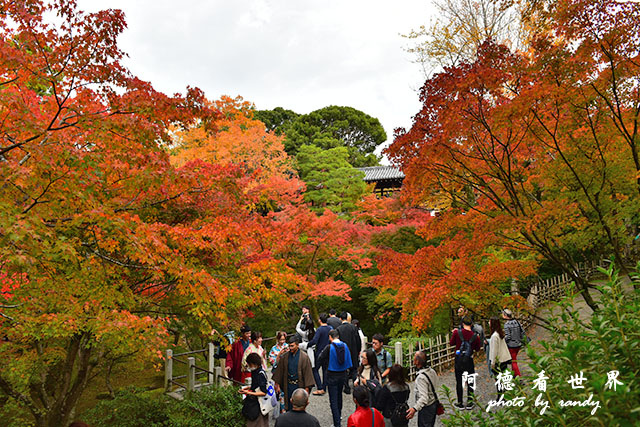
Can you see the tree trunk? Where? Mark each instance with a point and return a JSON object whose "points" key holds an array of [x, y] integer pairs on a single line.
{"points": [[583, 286], [107, 379], [75, 373]]}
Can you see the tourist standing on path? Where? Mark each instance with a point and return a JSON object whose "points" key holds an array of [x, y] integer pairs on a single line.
{"points": [[298, 417], [478, 329], [306, 330], [276, 350], [320, 341], [333, 321], [385, 361], [293, 370], [349, 336], [394, 395], [514, 337], [466, 342], [257, 389], [369, 374], [365, 415], [368, 369], [305, 327], [233, 365], [426, 403], [281, 344], [338, 359], [363, 339], [255, 347], [475, 327], [499, 356]]}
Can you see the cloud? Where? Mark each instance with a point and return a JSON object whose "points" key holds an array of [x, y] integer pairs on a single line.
{"points": [[258, 15], [300, 55]]}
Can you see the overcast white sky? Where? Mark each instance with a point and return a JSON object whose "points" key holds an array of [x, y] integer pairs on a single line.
{"points": [[296, 54]]}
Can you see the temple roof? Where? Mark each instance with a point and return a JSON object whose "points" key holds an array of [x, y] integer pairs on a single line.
{"points": [[381, 173]]}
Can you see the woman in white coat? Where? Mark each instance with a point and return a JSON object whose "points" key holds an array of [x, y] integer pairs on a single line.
{"points": [[363, 339], [499, 356], [306, 329]]}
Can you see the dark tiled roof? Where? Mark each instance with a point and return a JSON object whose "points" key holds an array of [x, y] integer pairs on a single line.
{"points": [[381, 173]]}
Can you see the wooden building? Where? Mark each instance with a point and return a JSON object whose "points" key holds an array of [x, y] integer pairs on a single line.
{"points": [[387, 179]]}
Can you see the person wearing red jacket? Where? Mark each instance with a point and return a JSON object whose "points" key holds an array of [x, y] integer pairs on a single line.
{"points": [[233, 365], [364, 416]]}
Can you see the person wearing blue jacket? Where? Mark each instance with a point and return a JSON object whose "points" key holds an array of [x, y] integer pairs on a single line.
{"points": [[337, 357], [320, 340]]}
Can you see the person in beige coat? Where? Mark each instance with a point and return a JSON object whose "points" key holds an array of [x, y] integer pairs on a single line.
{"points": [[293, 370], [499, 356]]}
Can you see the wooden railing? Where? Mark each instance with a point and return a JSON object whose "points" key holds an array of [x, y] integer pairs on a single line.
{"points": [[189, 381], [554, 288], [193, 370]]}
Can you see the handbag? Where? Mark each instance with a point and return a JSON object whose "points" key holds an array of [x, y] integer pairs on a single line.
{"points": [[525, 339], [374, 388], [250, 408], [269, 400], [439, 407]]}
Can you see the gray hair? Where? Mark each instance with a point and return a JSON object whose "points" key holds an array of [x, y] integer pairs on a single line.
{"points": [[300, 398], [422, 358]]}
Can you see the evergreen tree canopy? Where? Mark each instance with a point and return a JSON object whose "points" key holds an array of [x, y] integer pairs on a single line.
{"points": [[327, 128], [332, 183]]}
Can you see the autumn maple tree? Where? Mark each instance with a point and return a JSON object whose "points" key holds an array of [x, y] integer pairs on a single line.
{"points": [[81, 257], [307, 241], [104, 237], [535, 150]]}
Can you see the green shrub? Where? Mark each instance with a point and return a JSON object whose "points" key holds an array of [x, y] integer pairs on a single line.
{"points": [[211, 406], [133, 407], [609, 341]]}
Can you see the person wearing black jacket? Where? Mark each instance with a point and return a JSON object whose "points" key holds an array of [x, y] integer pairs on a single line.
{"points": [[298, 417], [394, 393], [320, 341], [257, 389], [349, 335], [333, 320]]}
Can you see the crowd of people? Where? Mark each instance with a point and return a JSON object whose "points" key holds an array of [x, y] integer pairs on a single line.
{"points": [[332, 356]]}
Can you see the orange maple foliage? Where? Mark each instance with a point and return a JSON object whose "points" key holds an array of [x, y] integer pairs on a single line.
{"points": [[537, 153], [288, 239], [108, 238], [241, 140], [320, 247]]}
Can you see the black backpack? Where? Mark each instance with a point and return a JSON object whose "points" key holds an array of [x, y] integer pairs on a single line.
{"points": [[399, 415], [374, 387], [463, 355]]}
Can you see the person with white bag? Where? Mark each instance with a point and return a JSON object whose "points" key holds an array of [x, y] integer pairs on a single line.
{"points": [[499, 355], [253, 405]]}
